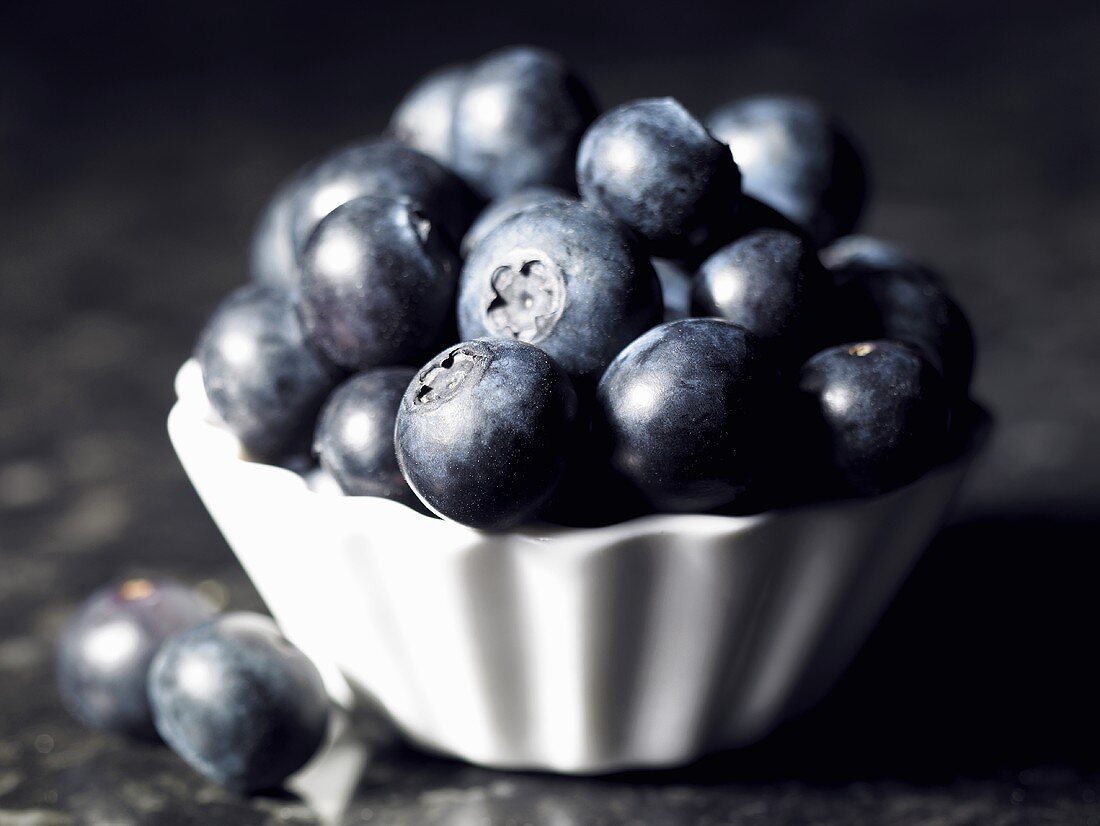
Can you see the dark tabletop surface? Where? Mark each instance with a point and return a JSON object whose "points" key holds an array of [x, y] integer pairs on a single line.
{"points": [[136, 147]]}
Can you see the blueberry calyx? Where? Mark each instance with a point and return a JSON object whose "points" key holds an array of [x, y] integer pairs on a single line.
{"points": [[442, 380], [134, 589], [526, 298], [864, 348]]}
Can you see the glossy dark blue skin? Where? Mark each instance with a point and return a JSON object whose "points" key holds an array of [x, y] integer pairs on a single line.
{"points": [[105, 650], [518, 122], [424, 118], [382, 168], [272, 258], [881, 292], [484, 432], [793, 157], [354, 440], [263, 378], [238, 702], [500, 210], [378, 285], [656, 168], [766, 282], [685, 408], [875, 415], [602, 287]]}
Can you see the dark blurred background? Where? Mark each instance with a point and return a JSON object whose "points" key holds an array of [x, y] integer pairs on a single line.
{"points": [[138, 142]]}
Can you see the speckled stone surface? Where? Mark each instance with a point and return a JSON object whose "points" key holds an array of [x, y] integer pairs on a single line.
{"points": [[126, 199]]}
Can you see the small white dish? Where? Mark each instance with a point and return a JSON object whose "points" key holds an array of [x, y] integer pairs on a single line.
{"points": [[643, 644]]}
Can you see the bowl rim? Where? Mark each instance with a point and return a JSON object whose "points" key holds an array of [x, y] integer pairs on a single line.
{"points": [[191, 402]]}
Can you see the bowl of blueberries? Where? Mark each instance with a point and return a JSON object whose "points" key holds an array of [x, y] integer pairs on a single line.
{"points": [[577, 439]]}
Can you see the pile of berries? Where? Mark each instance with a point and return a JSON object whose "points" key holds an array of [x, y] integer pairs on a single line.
{"points": [[150, 658], [514, 308]]}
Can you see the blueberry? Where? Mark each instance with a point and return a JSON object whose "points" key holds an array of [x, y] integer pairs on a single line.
{"points": [[765, 282], [503, 208], [261, 375], [876, 413], [686, 407], [272, 258], [563, 276], [238, 702], [656, 168], [105, 650], [424, 118], [675, 288], [354, 438], [518, 121], [883, 293], [378, 284], [794, 157], [385, 169], [484, 430]]}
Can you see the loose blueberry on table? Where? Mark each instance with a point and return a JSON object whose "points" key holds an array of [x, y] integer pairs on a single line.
{"points": [[238, 702], [106, 648]]}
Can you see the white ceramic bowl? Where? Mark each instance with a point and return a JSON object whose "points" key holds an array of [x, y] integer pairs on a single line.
{"points": [[643, 644]]}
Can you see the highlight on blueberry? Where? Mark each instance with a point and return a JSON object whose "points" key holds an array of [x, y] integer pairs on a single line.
{"points": [[424, 119], [106, 648], [676, 286], [566, 277], [484, 431]]}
